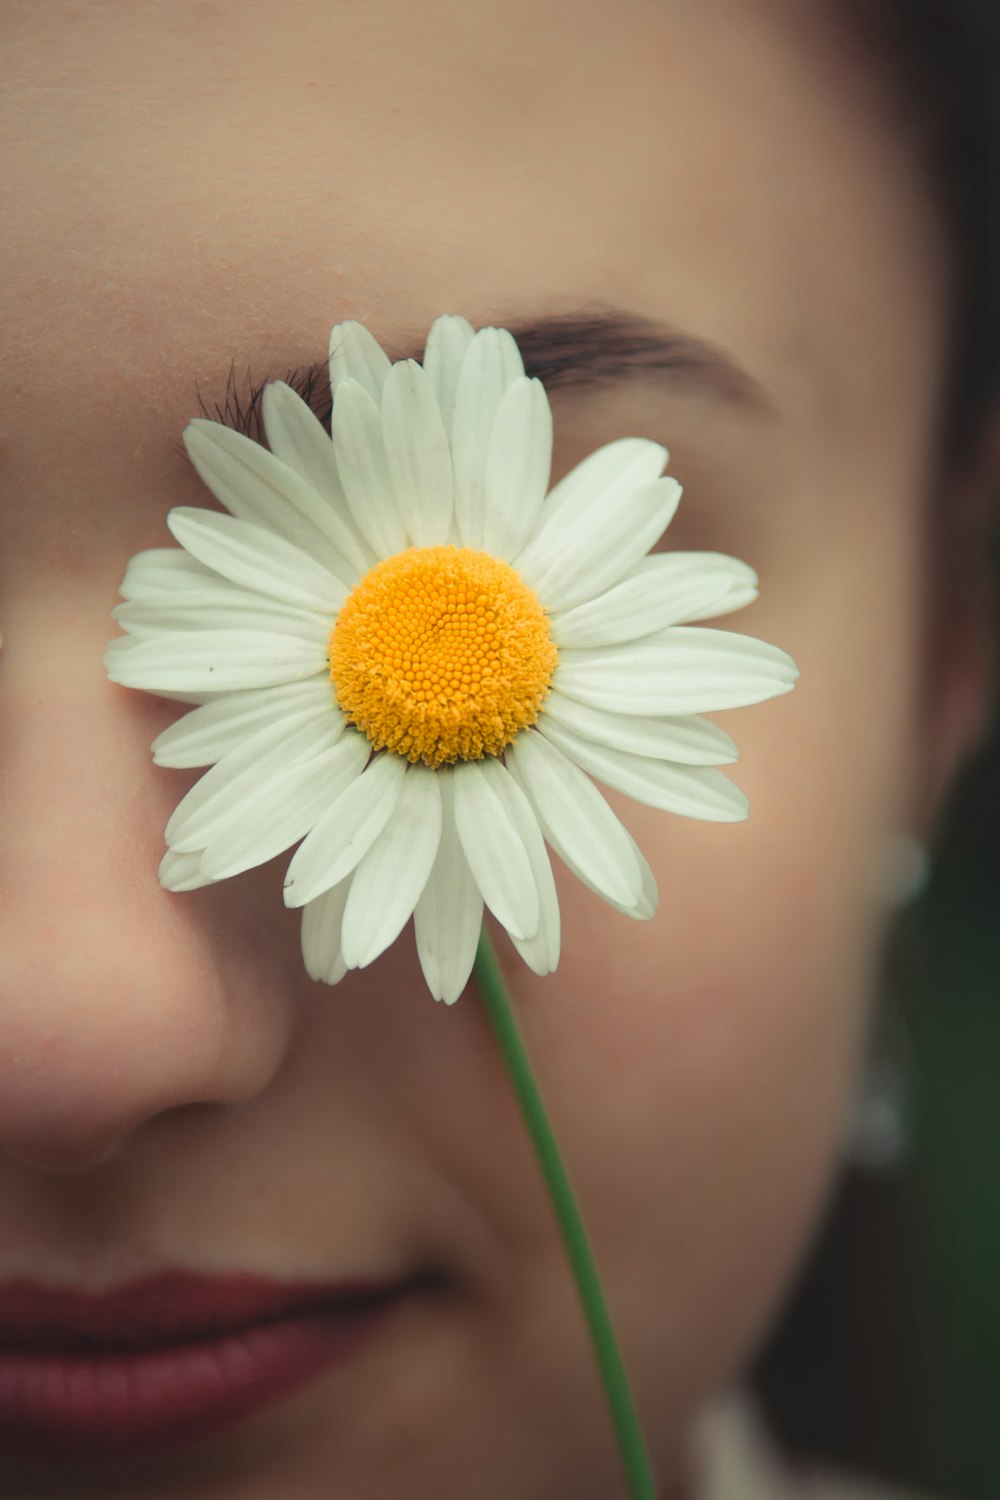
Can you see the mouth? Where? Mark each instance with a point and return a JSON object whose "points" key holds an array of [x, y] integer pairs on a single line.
{"points": [[156, 1364]]}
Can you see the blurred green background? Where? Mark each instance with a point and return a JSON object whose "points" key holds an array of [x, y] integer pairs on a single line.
{"points": [[950, 996]]}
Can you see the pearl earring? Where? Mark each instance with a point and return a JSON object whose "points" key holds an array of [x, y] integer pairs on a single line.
{"points": [[877, 1130], [904, 870]]}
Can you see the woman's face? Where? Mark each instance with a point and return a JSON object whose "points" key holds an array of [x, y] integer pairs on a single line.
{"points": [[199, 182]]}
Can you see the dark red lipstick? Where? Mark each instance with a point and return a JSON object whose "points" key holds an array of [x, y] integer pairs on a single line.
{"points": [[154, 1364]]}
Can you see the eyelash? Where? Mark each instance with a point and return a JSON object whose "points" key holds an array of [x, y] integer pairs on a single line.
{"points": [[311, 382], [244, 414]]}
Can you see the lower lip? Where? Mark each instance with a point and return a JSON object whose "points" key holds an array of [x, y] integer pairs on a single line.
{"points": [[112, 1404]]}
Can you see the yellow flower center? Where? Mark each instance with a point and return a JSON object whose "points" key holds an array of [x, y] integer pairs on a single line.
{"points": [[441, 654]]}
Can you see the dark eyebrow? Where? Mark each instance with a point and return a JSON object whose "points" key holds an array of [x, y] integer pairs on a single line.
{"points": [[574, 350], [566, 351]]}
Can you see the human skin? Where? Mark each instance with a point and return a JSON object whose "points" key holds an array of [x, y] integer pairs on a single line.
{"points": [[201, 182]]}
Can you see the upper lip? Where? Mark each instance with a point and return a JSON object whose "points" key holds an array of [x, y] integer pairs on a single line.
{"points": [[171, 1307]]}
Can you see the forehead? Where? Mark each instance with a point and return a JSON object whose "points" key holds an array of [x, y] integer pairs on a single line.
{"points": [[211, 181]]}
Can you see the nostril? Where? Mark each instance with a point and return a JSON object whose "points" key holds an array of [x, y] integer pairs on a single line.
{"points": [[72, 1095], [135, 1004], [74, 1140], [64, 1156]]}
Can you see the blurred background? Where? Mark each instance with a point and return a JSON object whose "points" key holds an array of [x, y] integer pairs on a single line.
{"points": [[888, 1357]]}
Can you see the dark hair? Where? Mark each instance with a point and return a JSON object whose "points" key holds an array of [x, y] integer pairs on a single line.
{"points": [[941, 60]]}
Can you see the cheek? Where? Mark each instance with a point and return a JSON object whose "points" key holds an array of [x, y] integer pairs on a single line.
{"points": [[697, 1068], [713, 1046], [699, 1065]]}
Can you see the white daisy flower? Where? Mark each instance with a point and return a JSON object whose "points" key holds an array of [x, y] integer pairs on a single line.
{"points": [[411, 655]]}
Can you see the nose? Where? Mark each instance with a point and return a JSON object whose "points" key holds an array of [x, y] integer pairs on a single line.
{"points": [[119, 1001]]}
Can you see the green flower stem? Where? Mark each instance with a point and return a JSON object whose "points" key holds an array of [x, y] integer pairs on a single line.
{"points": [[602, 1335]]}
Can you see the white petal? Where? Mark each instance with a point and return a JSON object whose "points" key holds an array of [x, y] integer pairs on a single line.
{"points": [[661, 591], [447, 342], [176, 696], [649, 896], [364, 473], [282, 810], [493, 847], [417, 454], [576, 820], [256, 487], [178, 584], [682, 670], [518, 463], [321, 929], [346, 831], [738, 597], [685, 738], [207, 734], [646, 904], [684, 572], [256, 559], [236, 777], [212, 661], [582, 556], [692, 791], [216, 609], [602, 480], [182, 872], [356, 355], [492, 363], [390, 878], [299, 439], [448, 918], [540, 952], [161, 570], [137, 631]]}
